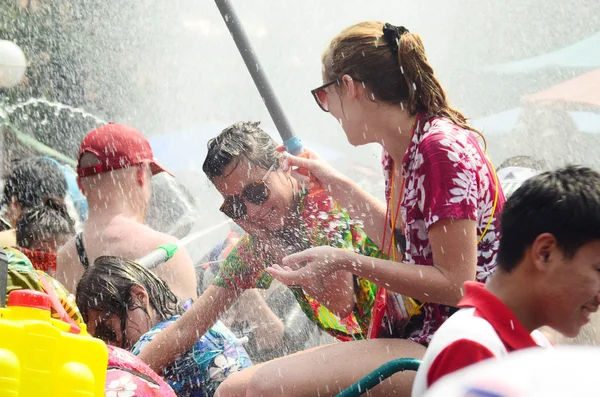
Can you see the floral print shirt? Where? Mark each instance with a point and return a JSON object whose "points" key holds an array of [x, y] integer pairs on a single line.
{"points": [[447, 175], [199, 371], [324, 222]]}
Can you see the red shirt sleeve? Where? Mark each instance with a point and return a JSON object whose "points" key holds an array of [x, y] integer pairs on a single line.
{"points": [[455, 356]]}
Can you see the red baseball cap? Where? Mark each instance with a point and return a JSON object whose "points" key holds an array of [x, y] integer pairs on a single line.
{"points": [[117, 146]]}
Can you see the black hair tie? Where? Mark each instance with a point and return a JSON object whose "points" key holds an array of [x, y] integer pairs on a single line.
{"points": [[392, 34]]}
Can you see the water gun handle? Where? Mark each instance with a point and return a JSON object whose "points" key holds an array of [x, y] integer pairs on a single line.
{"points": [[294, 146], [159, 255]]}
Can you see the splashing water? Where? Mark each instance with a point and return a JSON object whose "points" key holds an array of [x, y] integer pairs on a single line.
{"points": [[6, 111]]}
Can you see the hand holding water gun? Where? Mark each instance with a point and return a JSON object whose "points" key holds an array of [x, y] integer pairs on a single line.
{"points": [[312, 171]]}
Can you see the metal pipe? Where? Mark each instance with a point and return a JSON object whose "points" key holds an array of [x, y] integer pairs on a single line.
{"points": [[165, 252], [293, 143]]}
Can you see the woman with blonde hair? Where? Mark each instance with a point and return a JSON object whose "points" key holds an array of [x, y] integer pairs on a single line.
{"points": [[439, 228]]}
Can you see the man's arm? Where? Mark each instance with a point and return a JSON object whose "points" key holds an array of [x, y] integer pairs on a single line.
{"points": [[180, 336]]}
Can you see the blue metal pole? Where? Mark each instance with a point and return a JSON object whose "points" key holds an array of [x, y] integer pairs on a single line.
{"points": [[293, 143]]}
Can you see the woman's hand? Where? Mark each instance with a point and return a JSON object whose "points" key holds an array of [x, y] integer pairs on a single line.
{"points": [[305, 266], [319, 171]]}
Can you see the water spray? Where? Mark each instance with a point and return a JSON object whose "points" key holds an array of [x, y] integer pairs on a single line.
{"points": [[165, 252], [292, 143]]}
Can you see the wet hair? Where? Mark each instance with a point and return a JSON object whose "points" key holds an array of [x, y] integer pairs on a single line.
{"points": [[525, 162], [106, 287], [395, 76], [565, 203], [245, 139], [32, 180], [44, 222]]}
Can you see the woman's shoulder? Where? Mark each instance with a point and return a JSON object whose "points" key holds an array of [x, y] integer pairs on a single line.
{"points": [[439, 128], [441, 133]]}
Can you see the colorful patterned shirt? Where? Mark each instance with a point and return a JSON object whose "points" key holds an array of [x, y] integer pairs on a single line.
{"points": [[199, 371], [447, 175], [323, 222], [22, 275]]}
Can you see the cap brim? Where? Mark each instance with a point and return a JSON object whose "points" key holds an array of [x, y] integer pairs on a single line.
{"points": [[157, 168]]}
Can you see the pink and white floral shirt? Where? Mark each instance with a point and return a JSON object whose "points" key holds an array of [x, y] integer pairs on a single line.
{"points": [[447, 176]]}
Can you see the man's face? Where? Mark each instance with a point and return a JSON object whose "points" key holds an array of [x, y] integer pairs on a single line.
{"points": [[273, 212], [572, 289]]}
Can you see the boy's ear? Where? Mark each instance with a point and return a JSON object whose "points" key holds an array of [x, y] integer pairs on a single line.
{"points": [[544, 251]]}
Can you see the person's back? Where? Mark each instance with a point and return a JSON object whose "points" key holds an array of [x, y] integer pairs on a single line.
{"points": [[115, 169], [548, 275]]}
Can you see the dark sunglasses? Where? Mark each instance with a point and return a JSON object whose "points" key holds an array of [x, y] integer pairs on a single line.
{"points": [[257, 193], [320, 93]]}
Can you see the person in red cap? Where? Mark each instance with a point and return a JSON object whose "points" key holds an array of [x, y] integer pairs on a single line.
{"points": [[115, 168]]}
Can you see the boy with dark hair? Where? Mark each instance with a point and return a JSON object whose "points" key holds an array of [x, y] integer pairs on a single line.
{"points": [[548, 275]]}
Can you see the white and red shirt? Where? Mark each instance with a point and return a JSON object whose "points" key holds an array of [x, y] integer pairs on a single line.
{"points": [[484, 328], [447, 175]]}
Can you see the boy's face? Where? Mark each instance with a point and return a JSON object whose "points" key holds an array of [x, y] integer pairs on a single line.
{"points": [[572, 288]]}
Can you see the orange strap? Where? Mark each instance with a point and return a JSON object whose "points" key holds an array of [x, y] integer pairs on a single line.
{"points": [[64, 316]]}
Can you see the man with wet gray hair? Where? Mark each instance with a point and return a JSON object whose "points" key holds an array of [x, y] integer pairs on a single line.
{"points": [[115, 169]]}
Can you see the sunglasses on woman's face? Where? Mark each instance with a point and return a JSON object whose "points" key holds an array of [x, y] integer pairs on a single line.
{"points": [[320, 93], [257, 193]]}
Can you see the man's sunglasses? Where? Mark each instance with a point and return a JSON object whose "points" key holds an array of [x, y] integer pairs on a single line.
{"points": [[320, 93], [257, 193]]}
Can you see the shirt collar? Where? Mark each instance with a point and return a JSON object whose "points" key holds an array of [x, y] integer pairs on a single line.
{"points": [[488, 306]]}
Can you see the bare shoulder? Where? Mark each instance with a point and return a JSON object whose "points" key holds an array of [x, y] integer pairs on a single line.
{"points": [[68, 267]]}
